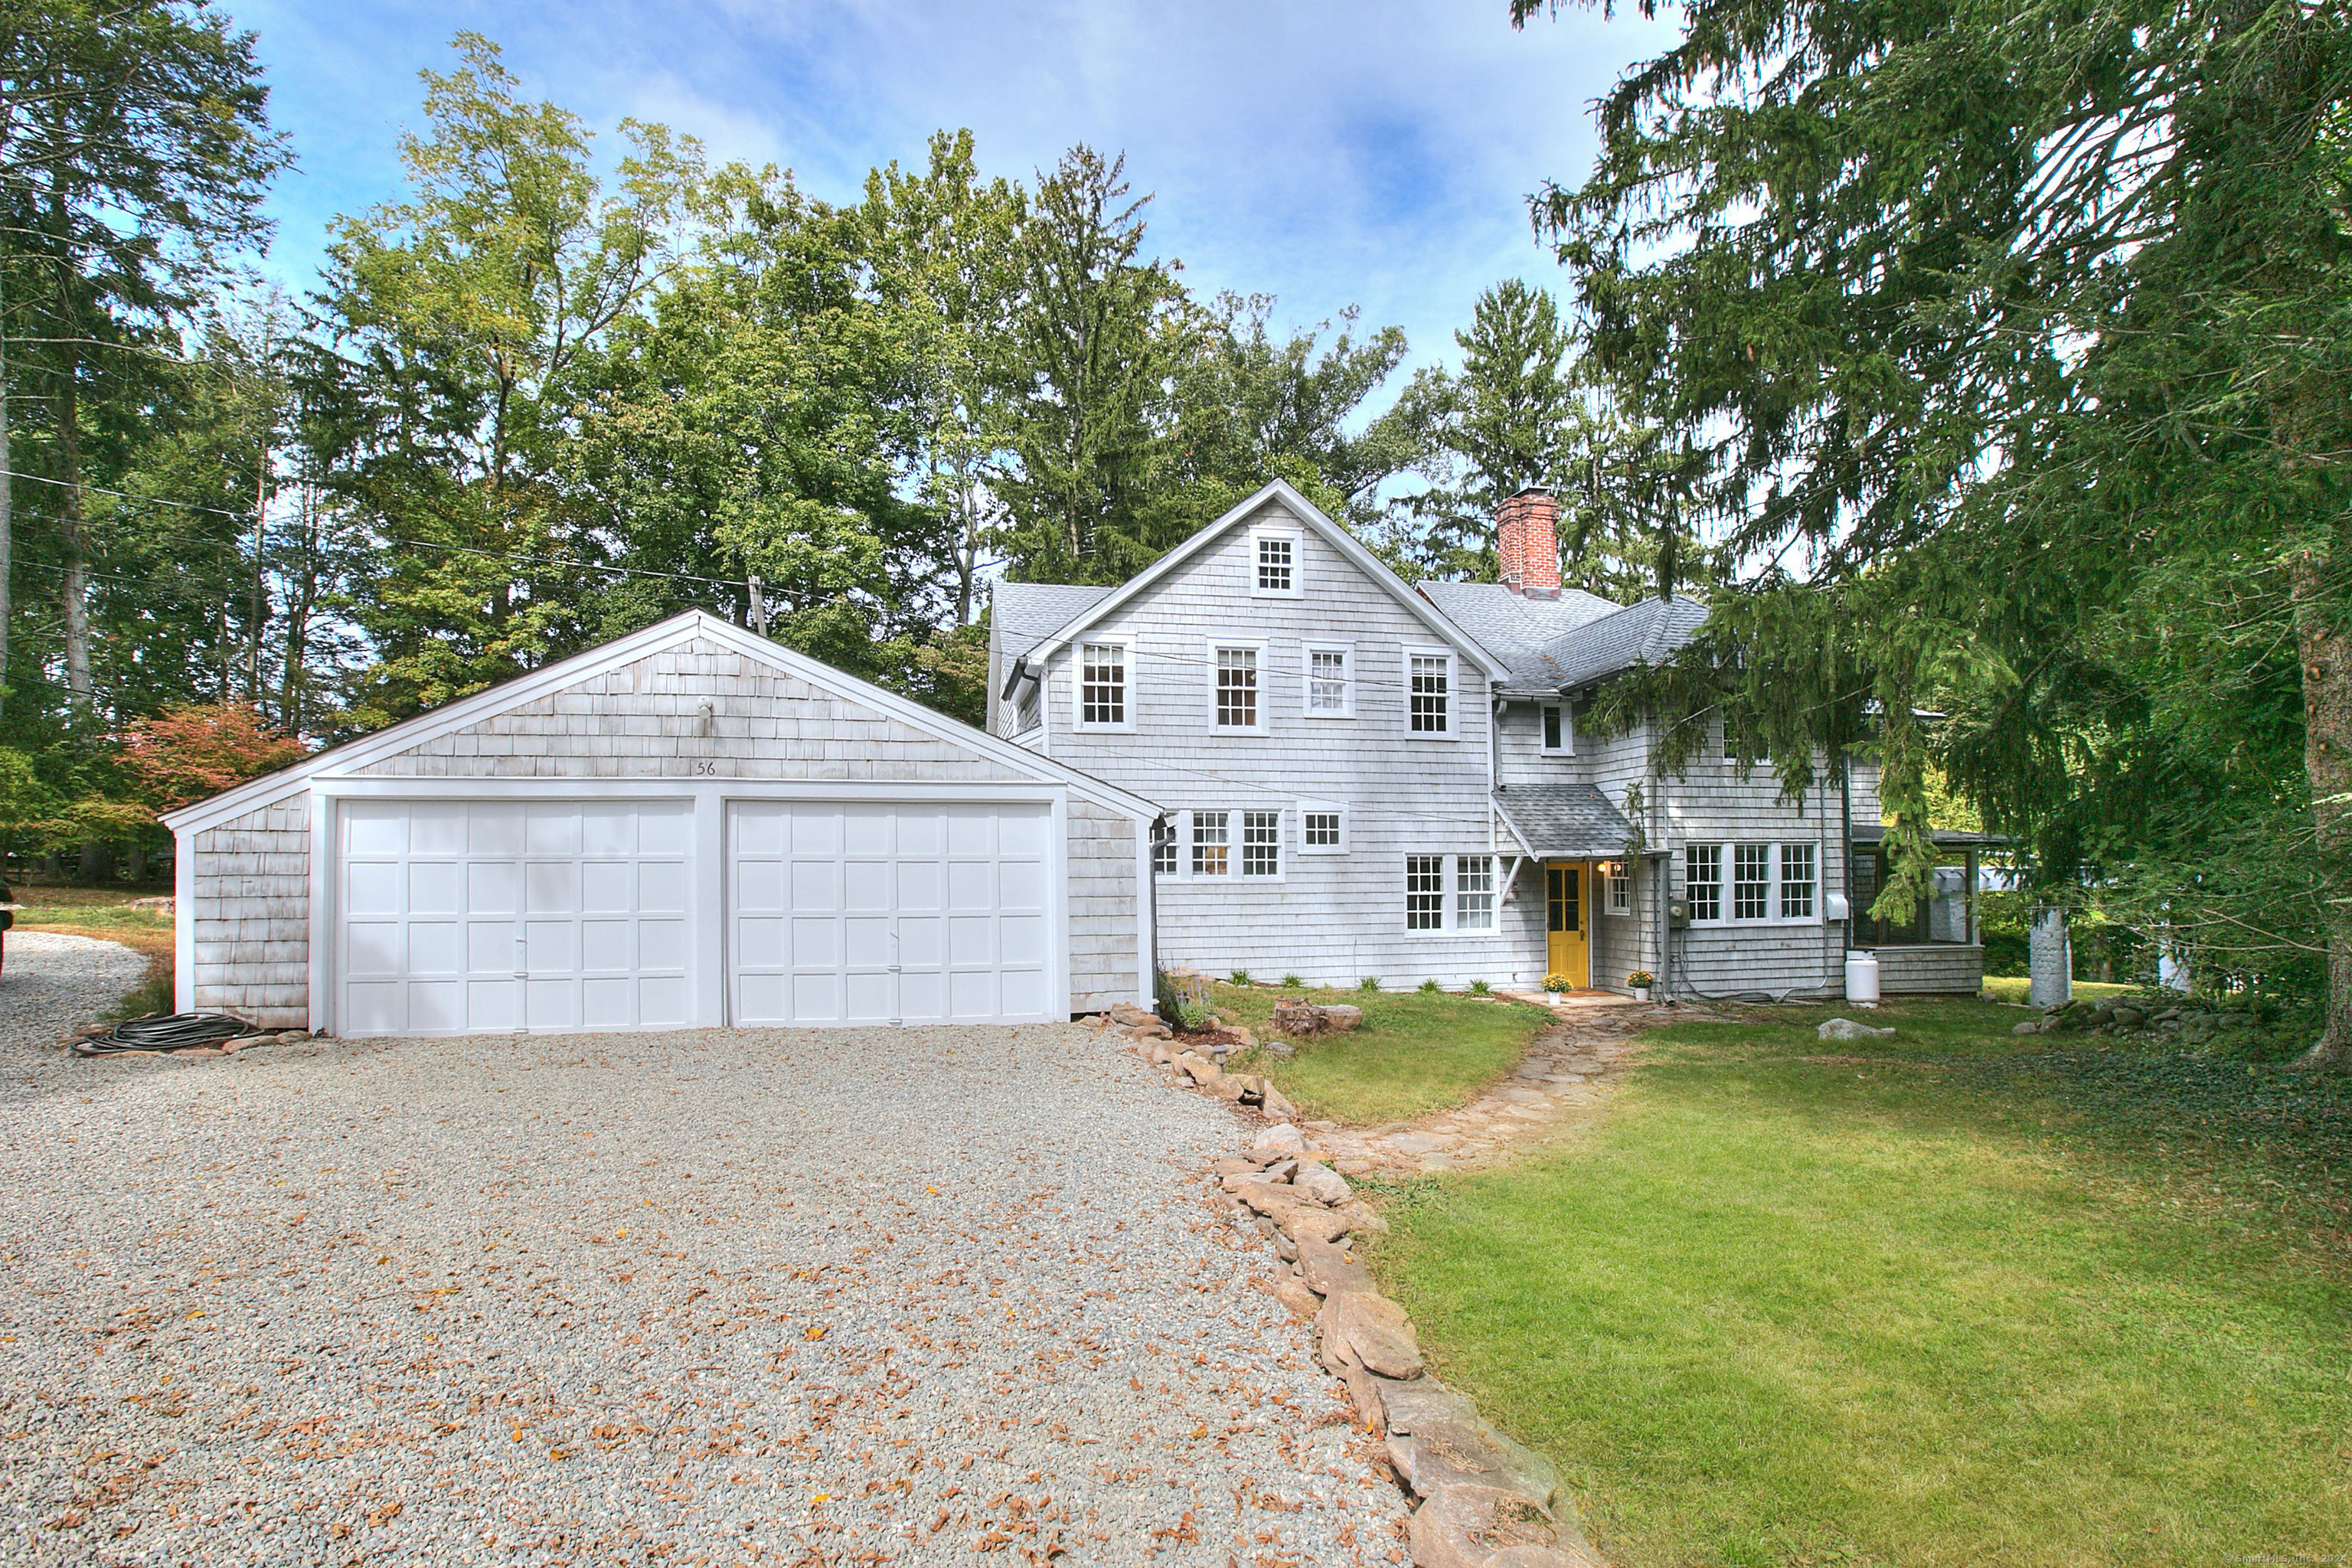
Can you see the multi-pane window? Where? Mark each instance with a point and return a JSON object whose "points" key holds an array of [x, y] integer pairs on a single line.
{"points": [[1209, 844], [1621, 887], [1751, 881], [1474, 892], [1798, 879], [1327, 681], [1237, 687], [1274, 563], [1163, 849], [1102, 683], [1424, 892], [1320, 829], [1432, 682], [1261, 844], [1556, 737], [1703, 880]]}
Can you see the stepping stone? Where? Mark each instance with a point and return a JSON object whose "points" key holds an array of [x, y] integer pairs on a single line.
{"points": [[1422, 1142]]}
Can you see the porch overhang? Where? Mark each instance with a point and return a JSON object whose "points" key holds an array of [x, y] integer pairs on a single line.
{"points": [[1564, 821]]}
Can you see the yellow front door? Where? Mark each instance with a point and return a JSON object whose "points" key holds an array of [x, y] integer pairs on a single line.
{"points": [[1568, 952]]}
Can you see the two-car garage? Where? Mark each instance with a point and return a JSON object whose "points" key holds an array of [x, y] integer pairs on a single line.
{"points": [[688, 827]]}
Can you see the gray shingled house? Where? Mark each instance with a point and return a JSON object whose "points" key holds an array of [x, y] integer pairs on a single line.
{"points": [[1366, 777]]}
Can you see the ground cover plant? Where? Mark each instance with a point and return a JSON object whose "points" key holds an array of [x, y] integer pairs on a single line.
{"points": [[1954, 1297], [1417, 1051]]}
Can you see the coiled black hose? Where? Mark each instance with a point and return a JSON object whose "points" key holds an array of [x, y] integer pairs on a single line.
{"points": [[163, 1032]]}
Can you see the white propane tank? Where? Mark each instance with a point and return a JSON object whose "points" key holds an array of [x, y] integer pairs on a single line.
{"points": [[1862, 977]]}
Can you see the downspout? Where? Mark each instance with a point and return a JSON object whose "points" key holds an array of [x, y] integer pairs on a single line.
{"points": [[1045, 707]]}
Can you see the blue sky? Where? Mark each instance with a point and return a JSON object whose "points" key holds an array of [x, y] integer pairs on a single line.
{"points": [[1377, 153]]}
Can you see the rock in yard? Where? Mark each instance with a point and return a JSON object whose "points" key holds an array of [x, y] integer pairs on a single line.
{"points": [[1363, 1391], [1276, 1108], [1278, 1142], [1470, 1526], [1154, 1030], [1281, 1048], [1408, 1406], [1300, 1220], [1324, 1185], [1293, 1292], [1371, 1330], [1308, 1019], [1329, 1271], [1199, 1068], [2031, 1026], [1847, 1029], [1441, 1453]]}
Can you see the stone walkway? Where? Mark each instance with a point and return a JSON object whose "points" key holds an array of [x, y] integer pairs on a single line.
{"points": [[1571, 1071]]}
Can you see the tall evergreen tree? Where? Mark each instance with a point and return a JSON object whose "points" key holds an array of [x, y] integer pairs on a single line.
{"points": [[1098, 335], [2002, 327]]}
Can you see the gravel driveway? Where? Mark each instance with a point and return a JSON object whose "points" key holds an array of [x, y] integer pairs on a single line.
{"points": [[51, 982], [920, 1296]]}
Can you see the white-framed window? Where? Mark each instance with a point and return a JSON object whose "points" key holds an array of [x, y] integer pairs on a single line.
{"points": [[1104, 697], [1767, 882], [1558, 729], [1703, 880], [1211, 844], [1751, 881], [1474, 892], [1330, 680], [1800, 875], [1163, 849], [1731, 750], [1429, 693], [1424, 892], [1261, 844], [1274, 562], [1619, 880], [1234, 672], [1322, 828]]}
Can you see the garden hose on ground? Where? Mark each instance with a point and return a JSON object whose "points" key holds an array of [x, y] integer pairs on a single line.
{"points": [[163, 1032]]}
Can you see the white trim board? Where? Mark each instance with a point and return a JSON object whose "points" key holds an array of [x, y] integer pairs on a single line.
{"points": [[353, 755]]}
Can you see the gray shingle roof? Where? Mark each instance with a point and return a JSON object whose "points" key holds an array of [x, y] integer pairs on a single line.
{"points": [[1647, 633], [1572, 821], [1026, 614], [1513, 628]]}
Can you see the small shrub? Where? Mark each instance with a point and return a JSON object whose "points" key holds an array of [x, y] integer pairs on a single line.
{"points": [[1292, 981], [1429, 988], [1480, 988], [1368, 983], [1239, 977]]}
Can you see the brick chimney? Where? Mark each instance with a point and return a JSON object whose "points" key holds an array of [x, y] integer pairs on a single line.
{"points": [[1526, 536]]}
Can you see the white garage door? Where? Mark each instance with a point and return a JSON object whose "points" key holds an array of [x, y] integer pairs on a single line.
{"points": [[459, 917], [885, 914]]}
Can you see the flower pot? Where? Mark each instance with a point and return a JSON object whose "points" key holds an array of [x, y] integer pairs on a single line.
{"points": [[1640, 993]]}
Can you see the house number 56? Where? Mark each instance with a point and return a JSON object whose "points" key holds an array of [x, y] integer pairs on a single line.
{"points": [[702, 767]]}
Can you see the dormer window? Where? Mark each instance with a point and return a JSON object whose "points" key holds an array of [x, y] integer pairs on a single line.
{"points": [[1274, 564]]}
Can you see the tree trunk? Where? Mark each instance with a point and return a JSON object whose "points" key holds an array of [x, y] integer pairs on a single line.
{"points": [[7, 492], [72, 600], [2327, 655]]}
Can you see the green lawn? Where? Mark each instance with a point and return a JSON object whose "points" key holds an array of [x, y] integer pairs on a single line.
{"points": [[1416, 1052], [2013, 988], [1952, 1298]]}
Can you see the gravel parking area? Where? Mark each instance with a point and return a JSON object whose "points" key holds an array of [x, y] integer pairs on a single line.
{"points": [[51, 982], [909, 1295]]}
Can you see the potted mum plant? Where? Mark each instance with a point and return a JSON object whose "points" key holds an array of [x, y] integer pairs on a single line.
{"points": [[1641, 982]]}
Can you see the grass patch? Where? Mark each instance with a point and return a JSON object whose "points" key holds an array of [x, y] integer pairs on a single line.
{"points": [[2015, 988], [1416, 1052], [101, 912], [1948, 1297]]}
